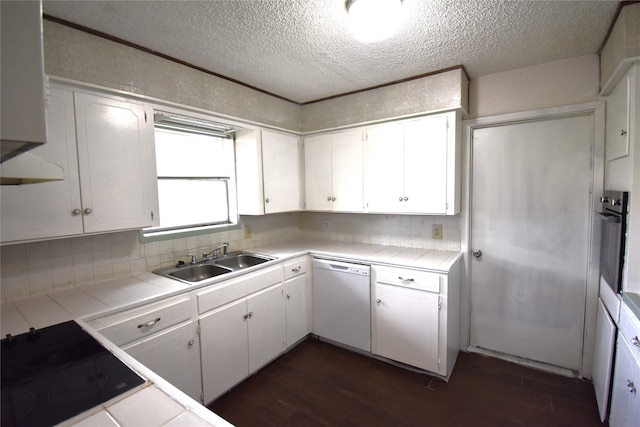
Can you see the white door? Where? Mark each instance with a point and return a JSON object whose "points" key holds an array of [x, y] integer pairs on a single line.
{"points": [[47, 209], [266, 326], [406, 326], [425, 165], [281, 176], [297, 310], [224, 348], [113, 154], [624, 399], [384, 168], [173, 354], [603, 358], [530, 218], [347, 171], [317, 173]]}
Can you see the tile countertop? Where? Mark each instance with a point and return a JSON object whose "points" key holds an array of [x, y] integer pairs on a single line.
{"points": [[158, 402]]}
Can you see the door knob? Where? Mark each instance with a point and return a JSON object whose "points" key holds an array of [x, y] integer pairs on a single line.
{"points": [[477, 253]]}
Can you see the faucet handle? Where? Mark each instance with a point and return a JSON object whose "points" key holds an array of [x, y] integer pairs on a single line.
{"points": [[193, 259]]}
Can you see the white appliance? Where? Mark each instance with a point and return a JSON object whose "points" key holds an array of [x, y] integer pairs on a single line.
{"points": [[342, 303]]}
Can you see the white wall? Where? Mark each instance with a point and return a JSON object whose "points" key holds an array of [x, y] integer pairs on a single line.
{"points": [[572, 81]]}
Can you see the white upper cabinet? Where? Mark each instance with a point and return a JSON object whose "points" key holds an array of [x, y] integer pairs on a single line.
{"points": [[268, 172], [334, 172], [413, 166], [117, 163], [105, 146], [618, 119]]}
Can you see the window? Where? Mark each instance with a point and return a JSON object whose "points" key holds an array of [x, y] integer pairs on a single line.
{"points": [[196, 177]]}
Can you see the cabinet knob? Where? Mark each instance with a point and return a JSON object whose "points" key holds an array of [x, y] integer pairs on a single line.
{"points": [[76, 212], [405, 198], [267, 200], [250, 314], [297, 269], [191, 342], [632, 387], [378, 300], [400, 198], [328, 198], [87, 211], [333, 199], [635, 341], [623, 132], [245, 317], [288, 296]]}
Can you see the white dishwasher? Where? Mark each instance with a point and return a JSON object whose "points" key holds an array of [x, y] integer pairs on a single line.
{"points": [[342, 303]]}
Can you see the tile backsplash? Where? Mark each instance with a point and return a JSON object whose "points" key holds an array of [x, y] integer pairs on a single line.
{"points": [[35, 268]]}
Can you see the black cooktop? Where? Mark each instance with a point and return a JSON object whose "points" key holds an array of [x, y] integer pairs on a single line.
{"points": [[55, 373]]}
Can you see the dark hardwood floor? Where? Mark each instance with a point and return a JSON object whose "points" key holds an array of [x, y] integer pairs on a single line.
{"points": [[318, 384]]}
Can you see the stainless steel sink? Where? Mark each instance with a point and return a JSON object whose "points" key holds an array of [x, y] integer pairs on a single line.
{"points": [[198, 273], [242, 260]]}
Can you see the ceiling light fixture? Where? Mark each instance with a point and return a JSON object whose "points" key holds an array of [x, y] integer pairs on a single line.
{"points": [[374, 20]]}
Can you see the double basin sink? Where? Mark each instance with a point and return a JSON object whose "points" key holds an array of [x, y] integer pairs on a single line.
{"points": [[196, 273]]}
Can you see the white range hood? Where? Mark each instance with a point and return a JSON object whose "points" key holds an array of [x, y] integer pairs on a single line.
{"points": [[28, 168]]}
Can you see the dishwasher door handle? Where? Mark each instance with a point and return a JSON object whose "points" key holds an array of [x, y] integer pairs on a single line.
{"points": [[339, 267]]}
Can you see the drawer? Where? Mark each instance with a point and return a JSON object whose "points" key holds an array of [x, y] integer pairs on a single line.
{"points": [[630, 328], [296, 267], [138, 323], [414, 279], [234, 289]]}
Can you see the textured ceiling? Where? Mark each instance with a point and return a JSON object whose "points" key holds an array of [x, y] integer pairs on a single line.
{"points": [[301, 50]]}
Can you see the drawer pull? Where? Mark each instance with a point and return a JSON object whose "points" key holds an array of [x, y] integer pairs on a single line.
{"points": [[635, 341], [402, 279], [296, 270], [149, 323]]}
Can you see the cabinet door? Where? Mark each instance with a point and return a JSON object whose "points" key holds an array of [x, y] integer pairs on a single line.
{"points": [[173, 354], [618, 117], [297, 308], [405, 326], [347, 171], [266, 326], [224, 348], [117, 163], [425, 165], [624, 400], [46, 209], [281, 172], [384, 168], [317, 173]]}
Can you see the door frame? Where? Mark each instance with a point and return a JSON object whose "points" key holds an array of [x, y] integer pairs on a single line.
{"points": [[597, 184]]}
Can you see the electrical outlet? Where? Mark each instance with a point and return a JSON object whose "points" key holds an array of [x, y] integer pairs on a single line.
{"points": [[247, 231], [436, 231], [325, 224]]}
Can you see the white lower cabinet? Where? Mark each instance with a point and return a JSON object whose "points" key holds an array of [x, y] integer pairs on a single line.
{"points": [[415, 317], [239, 338], [174, 354], [406, 326], [297, 300], [625, 401]]}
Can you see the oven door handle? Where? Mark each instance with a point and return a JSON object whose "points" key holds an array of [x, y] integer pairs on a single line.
{"points": [[610, 217]]}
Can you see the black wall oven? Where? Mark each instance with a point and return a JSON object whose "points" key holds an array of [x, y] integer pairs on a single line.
{"points": [[614, 230]]}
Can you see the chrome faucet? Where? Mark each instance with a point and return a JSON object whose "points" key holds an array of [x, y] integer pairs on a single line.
{"points": [[214, 253], [209, 256]]}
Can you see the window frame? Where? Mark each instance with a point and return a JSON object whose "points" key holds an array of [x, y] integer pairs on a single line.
{"points": [[151, 234]]}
